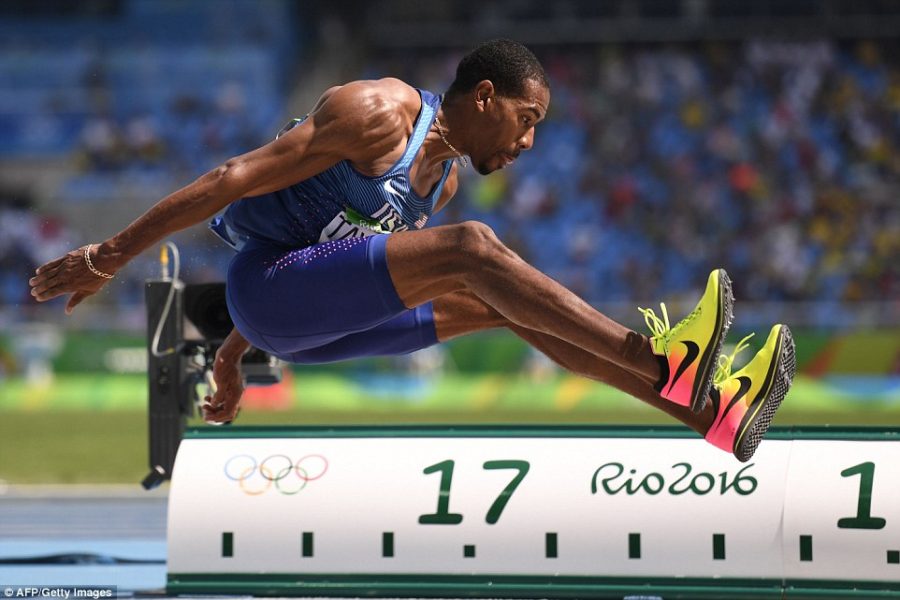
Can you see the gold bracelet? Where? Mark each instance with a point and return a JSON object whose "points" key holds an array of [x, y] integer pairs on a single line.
{"points": [[90, 265]]}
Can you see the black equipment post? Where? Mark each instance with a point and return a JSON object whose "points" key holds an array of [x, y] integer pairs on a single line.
{"points": [[170, 385]]}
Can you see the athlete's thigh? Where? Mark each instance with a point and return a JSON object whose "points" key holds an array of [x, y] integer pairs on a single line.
{"points": [[288, 300], [430, 263]]}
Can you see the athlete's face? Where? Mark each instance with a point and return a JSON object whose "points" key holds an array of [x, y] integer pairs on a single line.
{"points": [[507, 125]]}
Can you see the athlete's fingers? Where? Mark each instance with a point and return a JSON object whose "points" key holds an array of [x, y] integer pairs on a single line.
{"points": [[212, 406], [48, 292], [44, 280], [51, 272], [50, 265], [52, 288], [209, 412], [216, 415], [44, 276], [39, 289], [219, 408], [228, 416], [226, 412], [38, 280]]}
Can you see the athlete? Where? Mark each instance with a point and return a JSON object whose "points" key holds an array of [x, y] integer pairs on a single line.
{"points": [[333, 260]]}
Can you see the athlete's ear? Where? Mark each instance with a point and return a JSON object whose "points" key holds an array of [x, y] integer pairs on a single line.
{"points": [[484, 94]]}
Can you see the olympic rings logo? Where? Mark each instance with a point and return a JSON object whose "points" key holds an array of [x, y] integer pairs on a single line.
{"points": [[276, 470]]}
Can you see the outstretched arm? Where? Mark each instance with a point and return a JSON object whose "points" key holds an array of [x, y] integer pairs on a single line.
{"points": [[358, 121]]}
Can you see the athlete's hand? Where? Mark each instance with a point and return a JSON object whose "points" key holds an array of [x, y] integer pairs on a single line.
{"points": [[224, 404], [68, 274]]}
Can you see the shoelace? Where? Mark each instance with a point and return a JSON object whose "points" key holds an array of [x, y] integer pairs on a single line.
{"points": [[723, 369], [660, 328]]}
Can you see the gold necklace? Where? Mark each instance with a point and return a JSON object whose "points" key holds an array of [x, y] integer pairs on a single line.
{"points": [[462, 159]]}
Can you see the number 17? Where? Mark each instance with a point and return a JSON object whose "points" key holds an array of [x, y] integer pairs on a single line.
{"points": [[443, 516]]}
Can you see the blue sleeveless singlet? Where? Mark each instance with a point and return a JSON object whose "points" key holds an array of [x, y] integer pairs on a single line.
{"points": [[338, 203]]}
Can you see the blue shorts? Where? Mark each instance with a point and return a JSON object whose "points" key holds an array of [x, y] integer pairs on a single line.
{"points": [[324, 303]]}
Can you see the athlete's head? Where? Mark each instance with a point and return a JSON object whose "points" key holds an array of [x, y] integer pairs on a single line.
{"points": [[504, 92]]}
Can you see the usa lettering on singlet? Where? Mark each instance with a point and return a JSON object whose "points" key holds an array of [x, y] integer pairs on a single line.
{"points": [[338, 203]]}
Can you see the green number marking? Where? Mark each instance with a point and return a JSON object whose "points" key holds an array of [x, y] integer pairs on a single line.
{"points": [[227, 544], [306, 549], [443, 516], [718, 546], [634, 545], [806, 548], [863, 518], [387, 544], [551, 545], [496, 509]]}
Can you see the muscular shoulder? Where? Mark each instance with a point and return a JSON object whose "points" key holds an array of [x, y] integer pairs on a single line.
{"points": [[381, 112], [387, 98]]}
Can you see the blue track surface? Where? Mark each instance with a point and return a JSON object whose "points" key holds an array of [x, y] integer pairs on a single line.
{"points": [[94, 526]]}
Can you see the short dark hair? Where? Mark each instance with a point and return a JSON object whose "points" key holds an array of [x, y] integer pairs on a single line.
{"points": [[507, 64]]}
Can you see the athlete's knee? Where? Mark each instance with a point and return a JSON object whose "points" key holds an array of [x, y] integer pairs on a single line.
{"points": [[477, 242]]}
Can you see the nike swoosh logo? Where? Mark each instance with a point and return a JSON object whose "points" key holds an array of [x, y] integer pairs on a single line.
{"points": [[693, 351], [389, 188], [742, 391]]}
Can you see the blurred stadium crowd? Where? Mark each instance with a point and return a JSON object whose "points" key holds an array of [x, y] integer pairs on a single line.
{"points": [[776, 160]]}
